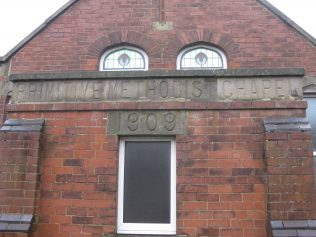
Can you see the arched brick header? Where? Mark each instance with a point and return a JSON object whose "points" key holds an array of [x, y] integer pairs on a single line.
{"points": [[119, 37], [188, 38]]}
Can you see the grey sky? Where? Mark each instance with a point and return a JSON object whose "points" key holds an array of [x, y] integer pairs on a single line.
{"points": [[20, 17]]}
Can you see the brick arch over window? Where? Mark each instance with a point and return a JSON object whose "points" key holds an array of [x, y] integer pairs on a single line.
{"points": [[189, 38], [132, 38]]}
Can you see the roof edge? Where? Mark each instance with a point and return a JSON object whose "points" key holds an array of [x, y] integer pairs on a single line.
{"points": [[37, 31], [288, 21]]}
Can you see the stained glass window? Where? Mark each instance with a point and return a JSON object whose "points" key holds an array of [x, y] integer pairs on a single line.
{"points": [[124, 58], [202, 57]]}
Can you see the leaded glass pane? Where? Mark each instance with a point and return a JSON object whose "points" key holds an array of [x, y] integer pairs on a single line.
{"points": [[201, 58], [124, 59]]}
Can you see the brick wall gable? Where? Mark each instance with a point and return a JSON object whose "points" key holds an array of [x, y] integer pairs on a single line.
{"points": [[260, 38]]}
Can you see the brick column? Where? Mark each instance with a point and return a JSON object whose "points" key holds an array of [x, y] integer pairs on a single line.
{"points": [[19, 174], [290, 173]]}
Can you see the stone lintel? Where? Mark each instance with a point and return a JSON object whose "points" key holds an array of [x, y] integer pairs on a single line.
{"points": [[286, 124], [224, 73], [22, 125]]}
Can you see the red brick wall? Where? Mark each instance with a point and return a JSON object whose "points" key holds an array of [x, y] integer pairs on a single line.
{"points": [[221, 182], [290, 170], [251, 36], [19, 168]]}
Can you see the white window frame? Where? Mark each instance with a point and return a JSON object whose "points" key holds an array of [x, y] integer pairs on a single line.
{"points": [[217, 50], [147, 228], [306, 97], [108, 52]]}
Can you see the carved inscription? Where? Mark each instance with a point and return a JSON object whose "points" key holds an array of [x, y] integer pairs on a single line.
{"points": [[114, 90], [259, 88], [147, 122], [197, 89]]}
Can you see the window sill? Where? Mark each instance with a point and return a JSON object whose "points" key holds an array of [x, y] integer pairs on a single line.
{"points": [[141, 235]]}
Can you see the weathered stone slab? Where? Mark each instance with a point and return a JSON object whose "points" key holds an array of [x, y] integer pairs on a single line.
{"points": [[147, 123], [158, 90], [114, 90], [259, 88]]}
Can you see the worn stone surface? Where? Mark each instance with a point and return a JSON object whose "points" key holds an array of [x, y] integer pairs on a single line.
{"points": [[4, 68], [227, 73], [161, 26], [115, 90], [147, 122], [5, 87], [199, 89], [259, 88]]}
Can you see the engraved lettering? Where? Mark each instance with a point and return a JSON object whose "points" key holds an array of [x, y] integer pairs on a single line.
{"points": [[97, 90], [33, 91], [156, 90], [70, 91], [22, 94], [147, 122], [227, 89], [151, 121], [52, 91], [170, 121], [112, 90], [133, 121], [197, 85], [254, 90], [177, 89], [266, 88], [279, 88], [88, 93], [82, 87], [241, 88], [164, 89], [125, 90], [151, 87]]}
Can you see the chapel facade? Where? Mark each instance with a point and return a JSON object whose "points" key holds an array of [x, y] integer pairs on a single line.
{"points": [[159, 118]]}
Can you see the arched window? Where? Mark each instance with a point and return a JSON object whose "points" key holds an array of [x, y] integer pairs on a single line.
{"points": [[124, 59], [201, 57]]}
